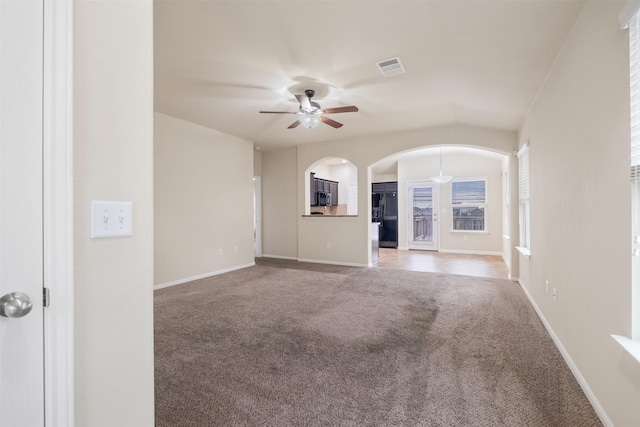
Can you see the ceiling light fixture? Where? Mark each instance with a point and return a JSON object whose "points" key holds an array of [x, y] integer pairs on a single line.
{"points": [[441, 179], [310, 120]]}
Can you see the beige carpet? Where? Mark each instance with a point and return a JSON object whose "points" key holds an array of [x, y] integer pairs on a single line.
{"points": [[296, 344]]}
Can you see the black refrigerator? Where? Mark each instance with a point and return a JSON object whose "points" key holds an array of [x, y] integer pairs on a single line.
{"points": [[384, 209]]}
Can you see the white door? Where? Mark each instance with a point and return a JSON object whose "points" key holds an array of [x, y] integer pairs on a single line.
{"points": [[422, 205], [21, 213]]}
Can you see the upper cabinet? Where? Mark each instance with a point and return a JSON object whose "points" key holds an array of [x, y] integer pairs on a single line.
{"points": [[333, 191], [322, 192]]}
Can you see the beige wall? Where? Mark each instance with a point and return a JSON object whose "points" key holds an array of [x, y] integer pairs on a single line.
{"points": [[578, 131], [203, 198], [257, 163], [113, 277], [279, 203], [460, 166]]}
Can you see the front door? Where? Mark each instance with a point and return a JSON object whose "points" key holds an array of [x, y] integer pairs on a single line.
{"points": [[21, 213], [422, 204]]}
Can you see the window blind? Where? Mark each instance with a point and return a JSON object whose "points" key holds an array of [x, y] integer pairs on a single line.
{"points": [[468, 192], [634, 92], [523, 166]]}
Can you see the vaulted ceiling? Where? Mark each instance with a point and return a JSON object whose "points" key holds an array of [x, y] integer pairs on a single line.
{"points": [[480, 62]]}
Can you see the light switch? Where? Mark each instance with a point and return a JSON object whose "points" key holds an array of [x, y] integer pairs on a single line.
{"points": [[111, 219]]}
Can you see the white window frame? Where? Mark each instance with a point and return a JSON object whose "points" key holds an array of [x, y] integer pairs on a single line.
{"points": [[471, 205], [630, 18], [524, 217], [506, 197]]}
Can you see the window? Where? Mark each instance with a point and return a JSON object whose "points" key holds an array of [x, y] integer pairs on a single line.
{"points": [[634, 36], [523, 196], [468, 200], [634, 91], [630, 17]]}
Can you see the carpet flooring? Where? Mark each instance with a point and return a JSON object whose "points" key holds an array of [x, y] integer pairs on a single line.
{"points": [[295, 344]]}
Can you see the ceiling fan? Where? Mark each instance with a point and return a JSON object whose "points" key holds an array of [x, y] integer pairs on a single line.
{"points": [[311, 114]]}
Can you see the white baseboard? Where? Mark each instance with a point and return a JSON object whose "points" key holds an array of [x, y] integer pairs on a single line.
{"points": [[292, 258], [606, 421], [514, 279], [464, 252], [403, 248], [202, 276], [346, 264]]}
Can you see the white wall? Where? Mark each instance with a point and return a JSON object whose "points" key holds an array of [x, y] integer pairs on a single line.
{"points": [[257, 163], [279, 203], [345, 174], [384, 177], [113, 160], [578, 131], [203, 198], [461, 166]]}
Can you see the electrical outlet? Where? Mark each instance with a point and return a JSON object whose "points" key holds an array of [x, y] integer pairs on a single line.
{"points": [[220, 251], [546, 286], [555, 295], [235, 248], [328, 245]]}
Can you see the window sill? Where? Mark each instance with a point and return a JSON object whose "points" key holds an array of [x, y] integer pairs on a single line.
{"points": [[631, 346], [524, 251], [468, 232]]}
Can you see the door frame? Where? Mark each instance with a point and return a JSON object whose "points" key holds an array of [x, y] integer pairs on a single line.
{"points": [[435, 209], [257, 215], [58, 211]]}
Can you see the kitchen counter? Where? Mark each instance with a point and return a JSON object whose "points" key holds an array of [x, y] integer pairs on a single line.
{"points": [[329, 216]]}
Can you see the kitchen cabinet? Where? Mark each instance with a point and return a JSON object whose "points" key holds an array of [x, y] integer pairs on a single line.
{"points": [[333, 190], [319, 185], [313, 189]]}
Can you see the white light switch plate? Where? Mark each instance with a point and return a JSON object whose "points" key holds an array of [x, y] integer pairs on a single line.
{"points": [[111, 219]]}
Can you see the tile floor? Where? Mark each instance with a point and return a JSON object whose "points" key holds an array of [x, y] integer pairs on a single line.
{"points": [[492, 266]]}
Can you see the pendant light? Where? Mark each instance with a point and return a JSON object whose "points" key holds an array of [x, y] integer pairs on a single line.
{"points": [[441, 179]]}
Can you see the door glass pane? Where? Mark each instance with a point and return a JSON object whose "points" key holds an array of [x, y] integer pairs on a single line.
{"points": [[423, 214]]}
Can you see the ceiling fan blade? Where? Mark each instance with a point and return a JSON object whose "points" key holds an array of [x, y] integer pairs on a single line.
{"points": [[349, 109], [277, 112], [304, 101], [330, 122], [294, 124]]}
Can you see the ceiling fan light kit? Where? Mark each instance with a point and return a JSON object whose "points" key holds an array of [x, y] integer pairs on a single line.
{"points": [[311, 114], [310, 120]]}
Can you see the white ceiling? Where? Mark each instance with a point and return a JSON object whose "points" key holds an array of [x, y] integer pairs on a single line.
{"points": [[217, 63]]}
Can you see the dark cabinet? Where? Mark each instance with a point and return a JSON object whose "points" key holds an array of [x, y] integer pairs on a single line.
{"points": [[333, 190], [384, 209], [320, 188], [313, 190]]}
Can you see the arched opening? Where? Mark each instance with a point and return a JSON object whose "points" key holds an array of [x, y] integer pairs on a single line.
{"points": [[470, 214], [331, 188]]}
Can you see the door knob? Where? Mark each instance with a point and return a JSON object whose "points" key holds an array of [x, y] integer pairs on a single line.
{"points": [[15, 304]]}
